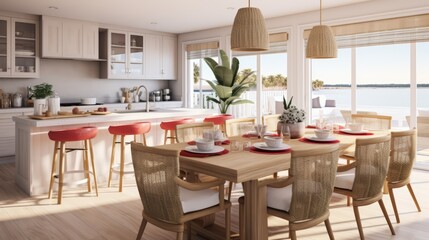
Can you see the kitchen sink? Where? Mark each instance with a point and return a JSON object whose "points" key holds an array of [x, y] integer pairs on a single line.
{"points": [[134, 111]]}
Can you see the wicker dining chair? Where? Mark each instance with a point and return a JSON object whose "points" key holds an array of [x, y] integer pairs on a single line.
{"points": [[402, 157], [190, 131], [271, 121], [303, 197], [168, 201], [373, 122], [235, 127], [370, 122], [363, 179]]}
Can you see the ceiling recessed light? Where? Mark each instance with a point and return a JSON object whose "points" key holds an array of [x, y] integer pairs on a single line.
{"points": [[53, 7], [153, 23]]}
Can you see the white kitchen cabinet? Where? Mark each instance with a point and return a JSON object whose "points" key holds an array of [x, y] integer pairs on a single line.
{"points": [[169, 56], [69, 39], [7, 131], [124, 55], [160, 56], [19, 49]]}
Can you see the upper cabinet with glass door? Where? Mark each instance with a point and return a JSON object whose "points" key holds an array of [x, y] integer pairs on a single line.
{"points": [[19, 48], [4, 47], [125, 55]]}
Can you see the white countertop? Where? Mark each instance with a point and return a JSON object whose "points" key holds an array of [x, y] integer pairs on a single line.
{"points": [[114, 117]]}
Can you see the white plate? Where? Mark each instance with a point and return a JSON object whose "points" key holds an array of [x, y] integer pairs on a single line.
{"points": [[316, 139], [346, 130], [194, 149], [263, 146]]}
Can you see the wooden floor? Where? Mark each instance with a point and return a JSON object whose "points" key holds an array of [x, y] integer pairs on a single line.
{"points": [[115, 215]]}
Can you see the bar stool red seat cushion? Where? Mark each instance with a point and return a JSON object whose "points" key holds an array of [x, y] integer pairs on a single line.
{"points": [[69, 135], [218, 119], [130, 129], [171, 125]]}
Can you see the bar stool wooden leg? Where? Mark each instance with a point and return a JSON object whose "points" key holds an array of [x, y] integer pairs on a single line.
{"points": [[144, 139], [86, 165], [112, 159], [91, 152], [61, 172], [165, 136], [52, 180], [173, 136], [121, 173]]}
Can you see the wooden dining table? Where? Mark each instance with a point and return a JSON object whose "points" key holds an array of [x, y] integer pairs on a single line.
{"points": [[248, 167]]}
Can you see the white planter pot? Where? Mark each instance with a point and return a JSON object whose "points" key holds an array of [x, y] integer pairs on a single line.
{"points": [[297, 130]]}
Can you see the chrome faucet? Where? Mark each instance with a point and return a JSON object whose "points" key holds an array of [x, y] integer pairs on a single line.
{"points": [[147, 96]]}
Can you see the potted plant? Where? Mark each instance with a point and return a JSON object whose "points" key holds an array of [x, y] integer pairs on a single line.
{"points": [[293, 118], [39, 93], [228, 85]]}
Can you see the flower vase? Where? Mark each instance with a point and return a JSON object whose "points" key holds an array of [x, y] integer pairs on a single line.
{"points": [[297, 130]]}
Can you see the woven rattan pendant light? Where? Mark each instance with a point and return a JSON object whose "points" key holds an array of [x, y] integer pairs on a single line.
{"points": [[248, 31], [321, 42]]}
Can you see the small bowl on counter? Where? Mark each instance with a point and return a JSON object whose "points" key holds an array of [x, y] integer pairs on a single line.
{"points": [[88, 101]]}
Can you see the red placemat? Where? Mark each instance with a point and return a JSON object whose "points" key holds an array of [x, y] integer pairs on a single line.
{"points": [[256, 150], [224, 142], [202, 155], [362, 134], [305, 140]]}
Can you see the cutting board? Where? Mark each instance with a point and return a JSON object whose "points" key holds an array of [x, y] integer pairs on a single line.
{"points": [[57, 116]]}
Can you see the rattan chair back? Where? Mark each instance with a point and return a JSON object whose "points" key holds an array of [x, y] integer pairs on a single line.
{"points": [[347, 114], [239, 126], [190, 131], [271, 121], [314, 177], [155, 170], [372, 158], [373, 122], [402, 155]]}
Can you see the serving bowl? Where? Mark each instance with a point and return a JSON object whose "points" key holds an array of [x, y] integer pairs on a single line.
{"points": [[322, 133], [356, 127], [273, 142], [204, 144], [88, 101]]}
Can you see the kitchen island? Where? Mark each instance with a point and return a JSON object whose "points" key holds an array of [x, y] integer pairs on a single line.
{"points": [[34, 149]]}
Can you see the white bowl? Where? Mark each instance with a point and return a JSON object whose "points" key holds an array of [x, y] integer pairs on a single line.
{"points": [[356, 127], [322, 133], [273, 142], [88, 101], [204, 144]]}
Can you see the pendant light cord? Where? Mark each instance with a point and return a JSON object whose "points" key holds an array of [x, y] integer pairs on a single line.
{"points": [[320, 12], [249, 3]]}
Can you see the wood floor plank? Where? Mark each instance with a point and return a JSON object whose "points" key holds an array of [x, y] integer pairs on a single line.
{"points": [[115, 215]]}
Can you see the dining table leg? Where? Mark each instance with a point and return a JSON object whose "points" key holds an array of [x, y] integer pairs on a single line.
{"points": [[256, 211]]}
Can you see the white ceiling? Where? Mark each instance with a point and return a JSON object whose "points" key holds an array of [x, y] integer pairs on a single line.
{"points": [[174, 16]]}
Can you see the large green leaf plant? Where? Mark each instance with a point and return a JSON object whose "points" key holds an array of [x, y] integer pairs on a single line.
{"points": [[228, 85]]}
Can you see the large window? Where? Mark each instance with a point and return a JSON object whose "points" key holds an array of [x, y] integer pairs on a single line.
{"points": [[271, 83], [388, 60], [198, 71]]}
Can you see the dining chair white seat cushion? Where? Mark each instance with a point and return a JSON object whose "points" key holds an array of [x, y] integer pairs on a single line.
{"points": [[197, 200], [345, 179], [279, 198]]}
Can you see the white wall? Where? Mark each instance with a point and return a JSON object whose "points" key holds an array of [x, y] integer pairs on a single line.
{"points": [[295, 24]]}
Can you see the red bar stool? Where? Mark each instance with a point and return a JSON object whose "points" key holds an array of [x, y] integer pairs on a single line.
{"points": [[170, 126], [219, 120], [60, 137], [140, 128]]}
